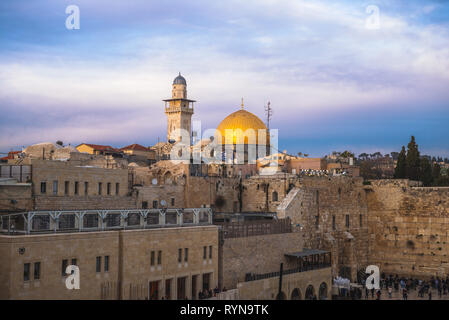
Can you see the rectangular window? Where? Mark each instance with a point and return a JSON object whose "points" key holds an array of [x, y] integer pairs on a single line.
{"points": [[43, 187], [155, 204], [108, 188], [100, 186], [117, 188], [55, 187], [159, 257], [76, 187], [144, 204], [98, 264], [172, 201], [333, 223], [179, 255], [347, 221], [106, 263], [317, 221], [37, 270], [204, 252], [152, 258], [186, 254], [210, 252], [26, 272], [74, 262], [64, 265], [361, 221], [66, 187], [86, 188]]}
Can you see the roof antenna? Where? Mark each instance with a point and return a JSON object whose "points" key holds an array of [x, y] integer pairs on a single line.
{"points": [[269, 113]]}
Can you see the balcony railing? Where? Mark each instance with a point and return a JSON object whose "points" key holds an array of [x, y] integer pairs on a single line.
{"points": [[98, 220], [253, 277]]}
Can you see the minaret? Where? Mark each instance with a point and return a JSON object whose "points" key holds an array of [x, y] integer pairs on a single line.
{"points": [[179, 110]]}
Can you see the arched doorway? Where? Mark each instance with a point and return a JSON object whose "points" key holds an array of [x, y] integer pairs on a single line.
{"points": [[296, 294], [281, 296], [310, 293], [322, 293]]}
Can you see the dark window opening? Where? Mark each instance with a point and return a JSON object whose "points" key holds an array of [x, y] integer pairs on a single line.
{"points": [[98, 268], [26, 272]]}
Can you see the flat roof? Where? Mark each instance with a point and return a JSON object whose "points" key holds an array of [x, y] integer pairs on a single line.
{"points": [[305, 253]]}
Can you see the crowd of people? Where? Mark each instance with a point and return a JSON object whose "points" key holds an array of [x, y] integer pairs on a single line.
{"points": [[406, 285], [207, 294]]}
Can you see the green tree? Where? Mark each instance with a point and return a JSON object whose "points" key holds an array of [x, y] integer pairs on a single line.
{"points": [[412, 160], [436, 172], [400, 170], [426, 172]]}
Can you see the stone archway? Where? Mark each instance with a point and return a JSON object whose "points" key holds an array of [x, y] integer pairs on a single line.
{"points": [[296, 294], [281, 296], [322, 292], [310, 293]]}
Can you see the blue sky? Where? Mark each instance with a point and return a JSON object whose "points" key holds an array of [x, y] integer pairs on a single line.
{"points": [[333, 83]]}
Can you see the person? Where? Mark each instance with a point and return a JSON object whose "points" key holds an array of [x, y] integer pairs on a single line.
{"points": [[390, 291], [430, 294], [366, 293], [378, 293], [404, 294]]}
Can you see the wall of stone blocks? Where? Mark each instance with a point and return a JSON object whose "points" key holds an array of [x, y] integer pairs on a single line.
{"points": [[409, 228], [15, 197], [62, 171], [313, 206], [257, 254]]}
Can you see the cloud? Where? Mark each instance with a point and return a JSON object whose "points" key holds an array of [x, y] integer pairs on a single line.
{"points": [[315, 61]]}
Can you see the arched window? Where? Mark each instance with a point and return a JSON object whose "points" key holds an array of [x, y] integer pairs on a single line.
{"points": [[274, 196]]}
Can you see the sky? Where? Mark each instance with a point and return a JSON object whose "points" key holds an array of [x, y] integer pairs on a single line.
{"points": [[337, 77]]}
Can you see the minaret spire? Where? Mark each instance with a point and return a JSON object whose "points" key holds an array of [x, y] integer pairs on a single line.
{"points": [[242, 103]]}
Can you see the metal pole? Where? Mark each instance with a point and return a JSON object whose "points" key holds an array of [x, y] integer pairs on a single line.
{"points": [[280, 281]]}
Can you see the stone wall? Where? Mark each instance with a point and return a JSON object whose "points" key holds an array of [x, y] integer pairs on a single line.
{"points": [[294, 286], [130, 270], [332, 214], [409, 228], [265, 193], [61, 171], [15, 197], [257, 254]]}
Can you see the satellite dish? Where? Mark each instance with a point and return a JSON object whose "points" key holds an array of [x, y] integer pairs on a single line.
{"points": [[154, 181], [163, 203]]}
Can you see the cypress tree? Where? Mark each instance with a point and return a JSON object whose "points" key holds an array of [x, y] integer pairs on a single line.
{"points": [[436, 173], [412, 160], [426, 172], [400, 170]]}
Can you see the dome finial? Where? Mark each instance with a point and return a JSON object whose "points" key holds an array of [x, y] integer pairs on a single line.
{"points": [[242, 103]]}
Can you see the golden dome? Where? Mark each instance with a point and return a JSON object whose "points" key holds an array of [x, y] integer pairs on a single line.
{"points": [[242, 120]]}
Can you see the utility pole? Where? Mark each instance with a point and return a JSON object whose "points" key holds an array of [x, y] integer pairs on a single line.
{"points": [[269, 113]]}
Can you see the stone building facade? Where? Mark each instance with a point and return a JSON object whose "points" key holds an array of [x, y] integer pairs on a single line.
{"points": [[175, 262]]}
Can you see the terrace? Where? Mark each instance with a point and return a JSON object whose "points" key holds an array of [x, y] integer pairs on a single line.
{"points": [[35, 222]]}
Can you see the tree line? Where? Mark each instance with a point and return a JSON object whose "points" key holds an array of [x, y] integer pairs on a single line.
{"points": [[411, 165]]}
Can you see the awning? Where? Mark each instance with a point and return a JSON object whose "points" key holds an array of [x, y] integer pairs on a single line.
{"points": [[305, 253]]}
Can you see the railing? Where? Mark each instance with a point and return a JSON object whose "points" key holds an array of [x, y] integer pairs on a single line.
{"points": [[253, 277], [98, 220], [255, 228]]}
